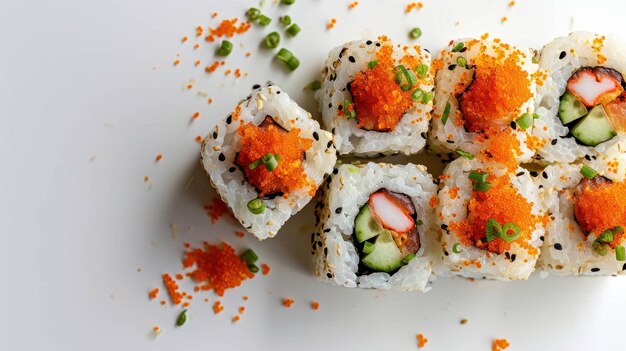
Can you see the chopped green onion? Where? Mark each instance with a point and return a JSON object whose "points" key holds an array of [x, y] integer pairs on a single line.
{"points": [[419, 222], [422, 70], [409, 77], [293, 63], [415, 33], [493, 230], [617, 229], [253, 13], [465, 154], [446, 113], [372, 64], [293, 30], [605, 237], [535, 60], [368, 247], [353, 169], [256, 206], [270, 161], [482, 186], [254, 165], [620, 253], [427, 97], [461, 61], [346, 109], [535, 115], [287, 2], [510, 232], [338, 163], [314, 85], [285, 20], [588, 172], [599, 248], [182, 318], [525, 121], [417, 95], [264, 20], [225, 49], [253, 268], [249, 256], [478, 176], [408, 258], [272, 40], [455, 248], [284, 55], [458, 46]]}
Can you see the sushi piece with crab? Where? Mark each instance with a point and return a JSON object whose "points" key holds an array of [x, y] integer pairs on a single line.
{"points": [[581, 99], [484, 99], [375, 227], [376, 97], [266, 159]]}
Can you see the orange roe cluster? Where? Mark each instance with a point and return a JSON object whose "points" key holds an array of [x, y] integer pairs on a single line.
{"points": [[499, 344], [352, 5], [217, 307], [498, 90], [421, 340], [289, 175], [154, 293], [216, 209], [503, 148], [228, 28], [504, 204], [287, 302], [331, 23], [265, 269], [596, 46], [315, 305], [172, 289], [377, 98], [599, 205], [217, 268], [412, 6]]}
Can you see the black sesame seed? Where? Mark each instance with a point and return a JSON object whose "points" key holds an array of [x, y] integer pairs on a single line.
{"points": [[215, 134], [423, 135], [326, 230], [520, 174], [330, 143], [319, 243], [326, 251], [378, 44], [587, 157], [328, 180], [450, 141], [544, 175], [452, 67], [533, 174], [464, 49], [338, 210], [330, 105], [336, 170], [507, 255], [316, 136], [351, 59], [329, 275], [513, 257], [369, 42], [229, 119], [446, 253], [541, 237], [595, 270], [558, 246], [594, 157], [444, 226], [562, 55], [232, 169], [624, 267], [513, 125], [340, 107], [256, 86], [221, 157], [278, 92], [554, 141], [332, 130]]}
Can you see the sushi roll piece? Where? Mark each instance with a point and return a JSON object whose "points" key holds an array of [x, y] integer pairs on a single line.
{"points": [[375, 227], [491, 220], [376, 97], [484, 97], [580, 97], [587, 205], [266, 159]]}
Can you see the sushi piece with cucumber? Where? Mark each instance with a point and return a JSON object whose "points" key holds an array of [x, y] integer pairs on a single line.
{"points": [[491, 220], [374, 226], [581, 100], [587, 207], [376, 97], [266, 159], [484, 98]]}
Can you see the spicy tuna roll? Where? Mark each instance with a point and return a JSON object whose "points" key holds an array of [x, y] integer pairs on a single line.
{"points": [[376, 97], [266, 159], [491, 220], [484, 95], [581, 99], [374, 227], [587, 204]]}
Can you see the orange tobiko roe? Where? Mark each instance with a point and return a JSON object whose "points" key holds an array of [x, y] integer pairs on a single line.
{"points": [[257, 141], [503, 203], [378, 100], [600, 204], [503, 148], [497, 92]]}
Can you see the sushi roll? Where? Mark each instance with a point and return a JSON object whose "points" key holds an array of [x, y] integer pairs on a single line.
{"points": [[376, 97], [587, 205], [374, 227], [266, 159], [484, 97], [491, 220], [580, 98]]}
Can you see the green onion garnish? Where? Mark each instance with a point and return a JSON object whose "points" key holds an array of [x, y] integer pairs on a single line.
{"points": [[253, 268], [270, 161], [599, 248], [617, 229], [422, 70], [588, 172], [409, 77], [482, 186], [285, 20], [478, 177], [605, 237], [353, 169], [368, 247], [465, 154], [408, 258], [458, 46], [293, 30], [272, 40], [249, 256], [350, 114], [535, 60], [419, 222], [461, 61], [493, 230], [415, 33], [182, 318], [264, 20], [535, 115], [372, 64], [293, 63], [427, 97], [287, 2], [225, 49], [284, 55], [253, 13], [314, 85], [525, 121], [510, 232], [417, 95], [455, 248], [620, 253], [256, 206], [446, 113]]}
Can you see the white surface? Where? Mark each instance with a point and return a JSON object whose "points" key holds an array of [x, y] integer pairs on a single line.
{"points": [[83, 79]]}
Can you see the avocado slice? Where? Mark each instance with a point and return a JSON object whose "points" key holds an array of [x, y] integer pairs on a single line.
{"points": [[385, 256], [366, 225], [570, 108], [595, 128]]}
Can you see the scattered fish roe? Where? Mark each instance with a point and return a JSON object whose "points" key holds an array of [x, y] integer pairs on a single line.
{"points": [[503, 148], [176, 62], [198, 139], [421, 340], [499, 344], [216, 209], [156, 329], [235, 319], [228, 28], [172, 289], [195, 115], [412, 6], [212, 67], [184, 39], [239, 234], [265, 269], [331, 23], [257, 141], [315, 305], [217, 307], [154, 293], [158, 157], [199, 31], [217, 268], [503, 19], [352, 5], [287, 302], [511, 3], [599, 205]]}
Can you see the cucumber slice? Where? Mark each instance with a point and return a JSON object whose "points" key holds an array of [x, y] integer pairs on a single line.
{"points": [[595, 128], [385, 257], [570, 108], [366, 225]]}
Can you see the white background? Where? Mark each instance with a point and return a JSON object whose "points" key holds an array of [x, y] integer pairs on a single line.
{"points": [[89, 96]]}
